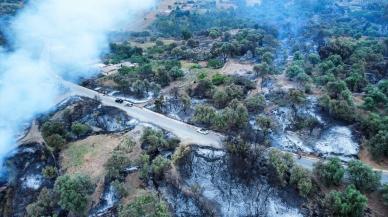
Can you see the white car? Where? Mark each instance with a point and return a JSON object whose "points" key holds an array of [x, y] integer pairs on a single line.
{"points": [[202, 131], [129, 104]]}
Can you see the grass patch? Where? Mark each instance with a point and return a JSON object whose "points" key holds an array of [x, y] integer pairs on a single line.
{"points": [[76, 154]]}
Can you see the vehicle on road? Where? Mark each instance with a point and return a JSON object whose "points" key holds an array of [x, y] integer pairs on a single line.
{"points": [[118, 100], [129, 104], [203, 131]]}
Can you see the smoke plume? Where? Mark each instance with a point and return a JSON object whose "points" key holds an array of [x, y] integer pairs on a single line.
{"points": [[53, 38]]}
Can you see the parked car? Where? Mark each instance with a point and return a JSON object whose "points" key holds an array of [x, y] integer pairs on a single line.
{"points": [[203, 131], [129, 104], [118, 100]]}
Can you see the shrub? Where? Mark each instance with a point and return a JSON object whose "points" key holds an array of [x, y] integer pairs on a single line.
{"points": [[350, 203], [330, 172], [362, 176]]}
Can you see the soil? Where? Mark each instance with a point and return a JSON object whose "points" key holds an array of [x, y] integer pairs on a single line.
{"points": [[233, 67], [367, 158]]}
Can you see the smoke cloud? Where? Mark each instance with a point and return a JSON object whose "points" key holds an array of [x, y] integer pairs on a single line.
{"points": [[53, 38]]}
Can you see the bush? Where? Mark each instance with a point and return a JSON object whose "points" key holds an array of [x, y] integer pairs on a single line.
{"points": [[215, 64], [49, 172], [73, 192], [362, 176], [180, 153], [330, 172], [350, 203], [301, 178], [218, 79], [147, 205]]}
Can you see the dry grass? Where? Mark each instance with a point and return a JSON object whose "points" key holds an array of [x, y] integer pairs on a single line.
{"points": [[88, 156], [235, 68]]}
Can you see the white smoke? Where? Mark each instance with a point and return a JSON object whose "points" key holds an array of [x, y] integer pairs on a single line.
{"points": [[53, 37]]}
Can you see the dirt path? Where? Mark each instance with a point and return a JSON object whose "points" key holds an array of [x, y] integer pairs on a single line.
{"points": [[33, 135], [149, 17]]}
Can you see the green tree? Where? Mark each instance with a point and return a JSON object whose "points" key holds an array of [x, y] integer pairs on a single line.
{"points": [[73, 192], [186, 34], [116, 165], [378, 144], [330, 172], [53, 127], [267, 58], [384, 193], [80, 129], [159, 166], [302, 179], [281, 164], [294, 70], [314, 58], [236, 115], [204, 114], [350, 203], [139, 88], [55, 141], [363, 176], [144, 163], [186, 101], [120, 188], [220, 98], [145, 206], [255, 103], [262, 69], [44, 205]]}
